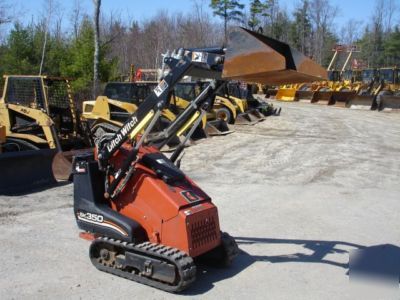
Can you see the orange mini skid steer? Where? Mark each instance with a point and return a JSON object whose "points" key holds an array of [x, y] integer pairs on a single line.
{"points": [[155, 227], [148, 220]]}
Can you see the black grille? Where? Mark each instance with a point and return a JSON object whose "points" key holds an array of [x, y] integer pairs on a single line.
{"points": [[203, 232], [25, 91], [58, 93]]}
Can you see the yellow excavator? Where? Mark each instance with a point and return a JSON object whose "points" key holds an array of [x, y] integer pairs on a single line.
{"points": [[42, 131]]}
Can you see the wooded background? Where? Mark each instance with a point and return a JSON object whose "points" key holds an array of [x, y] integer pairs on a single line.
{"points": [[69, 47]]}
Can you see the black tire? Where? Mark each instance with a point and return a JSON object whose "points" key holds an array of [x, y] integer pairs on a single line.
{"points": [[224, 114], [15, 145]]}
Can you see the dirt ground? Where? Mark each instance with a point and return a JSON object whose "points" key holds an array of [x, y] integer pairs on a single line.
{"points": [[299, 192]]}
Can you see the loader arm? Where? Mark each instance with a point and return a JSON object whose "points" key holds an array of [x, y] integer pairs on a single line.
{"points": [[39, 118], [185, 62], [188, 117]]}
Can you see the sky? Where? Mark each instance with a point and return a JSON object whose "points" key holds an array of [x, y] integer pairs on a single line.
{"points": [[360, 10]]}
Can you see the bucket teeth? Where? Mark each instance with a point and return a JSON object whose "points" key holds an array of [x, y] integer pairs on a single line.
{"points": [[253, 57]]}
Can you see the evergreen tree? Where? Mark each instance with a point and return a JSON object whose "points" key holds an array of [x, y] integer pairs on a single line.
{"points": [[79, 65], [257, 10], [300, 29], [392, 48], [19, 56], [279, 28], [228, 10]]}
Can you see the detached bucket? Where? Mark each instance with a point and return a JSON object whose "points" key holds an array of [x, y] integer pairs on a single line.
{"points": [[339, 99], [322, 97], [389, 102], [217, 127], [253, 57], [360, 102], [305, 96], [23, 171], [245, 119]]}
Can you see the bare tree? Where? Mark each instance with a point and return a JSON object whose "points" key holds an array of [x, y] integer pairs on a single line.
{"points": [[390, 9], [97, 4], [5, 17], [76, 17], [49, 8], [322, 14], [351, 31]]}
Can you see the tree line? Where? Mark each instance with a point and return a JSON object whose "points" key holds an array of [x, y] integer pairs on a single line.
{"points": [[46, 45]]}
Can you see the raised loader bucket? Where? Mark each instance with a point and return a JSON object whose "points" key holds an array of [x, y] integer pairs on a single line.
{"points": [[253, 57], [217, 127], [389, 103], [23, 171], [360, 102]]}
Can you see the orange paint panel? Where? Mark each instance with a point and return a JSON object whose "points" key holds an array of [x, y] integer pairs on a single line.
{"points": [[178, 215]]}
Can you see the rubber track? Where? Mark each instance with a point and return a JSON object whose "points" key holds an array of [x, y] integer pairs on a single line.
{"points": [[183, 263]]}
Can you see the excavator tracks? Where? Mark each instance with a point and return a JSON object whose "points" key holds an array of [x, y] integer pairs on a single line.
{"points": [[156, 265]]}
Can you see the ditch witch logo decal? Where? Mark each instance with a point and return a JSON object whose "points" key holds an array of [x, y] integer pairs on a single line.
{"points": [[190, 196], [121, 134]]}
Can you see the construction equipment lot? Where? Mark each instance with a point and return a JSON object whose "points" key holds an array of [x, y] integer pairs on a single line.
{"points": [[298, 192]]}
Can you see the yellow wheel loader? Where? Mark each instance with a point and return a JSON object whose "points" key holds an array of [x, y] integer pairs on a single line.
{"points": [[248, 108], [223, 109], [227, 108], [369, 89], [42, 132], [389, 97], [215, 121]]}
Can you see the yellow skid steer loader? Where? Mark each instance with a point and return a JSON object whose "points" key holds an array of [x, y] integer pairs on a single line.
{"points": [[42, 132]]}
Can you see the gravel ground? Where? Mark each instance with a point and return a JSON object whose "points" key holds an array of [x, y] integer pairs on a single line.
{"points": [[299, 192]]}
